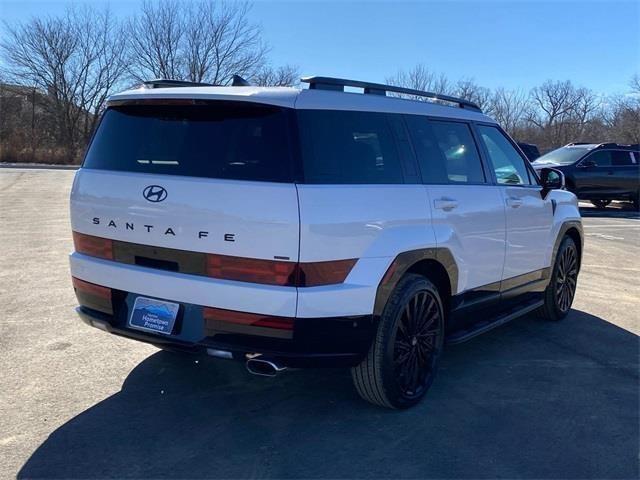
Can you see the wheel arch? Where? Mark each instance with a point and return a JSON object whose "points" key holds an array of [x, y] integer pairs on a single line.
{"points": [[572, 229], [436, 264]]}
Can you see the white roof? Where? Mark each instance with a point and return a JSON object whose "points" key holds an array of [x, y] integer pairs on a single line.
{"points": [[307, 99]]}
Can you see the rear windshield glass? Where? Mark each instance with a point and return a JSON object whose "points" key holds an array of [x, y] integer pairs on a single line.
{"points": [[222, 140]]}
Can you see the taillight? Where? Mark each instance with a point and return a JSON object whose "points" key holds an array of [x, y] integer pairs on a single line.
{"points": [[272, 272], [93, 296], [324, 273], [93, 246], [212, 315], [251, 270]]}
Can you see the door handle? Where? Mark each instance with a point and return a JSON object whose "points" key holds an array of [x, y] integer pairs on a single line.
{"points": [[514, 202], [445, 204]]}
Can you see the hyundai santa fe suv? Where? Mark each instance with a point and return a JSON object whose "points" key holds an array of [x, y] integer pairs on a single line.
{"points": [[315, 227]]}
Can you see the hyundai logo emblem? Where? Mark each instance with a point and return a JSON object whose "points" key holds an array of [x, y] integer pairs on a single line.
{"points": [[154, 193]]}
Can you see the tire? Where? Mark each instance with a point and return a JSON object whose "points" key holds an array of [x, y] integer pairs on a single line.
{"points": [[402, 362], [601, 203], [561, 290], [636, 202]]}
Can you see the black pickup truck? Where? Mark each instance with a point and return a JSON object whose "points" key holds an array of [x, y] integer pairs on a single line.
{"points": [[598, 172]]}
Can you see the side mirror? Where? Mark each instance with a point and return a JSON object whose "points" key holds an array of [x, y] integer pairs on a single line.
{"points": [[552, 179], [588, 164]]}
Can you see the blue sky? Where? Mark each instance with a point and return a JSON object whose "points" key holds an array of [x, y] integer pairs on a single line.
{"points": [[515, 44]]}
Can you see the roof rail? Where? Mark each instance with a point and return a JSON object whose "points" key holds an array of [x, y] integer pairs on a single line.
{"points": [[168, 83], [338, 84]]}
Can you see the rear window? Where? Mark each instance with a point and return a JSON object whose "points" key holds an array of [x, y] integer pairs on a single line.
{"points": [[227, 140], [623, 158], [343, 147], [446, 151]]}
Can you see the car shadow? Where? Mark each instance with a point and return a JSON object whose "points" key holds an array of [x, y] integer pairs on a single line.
{"points": [[614, 210], [532, 399]]}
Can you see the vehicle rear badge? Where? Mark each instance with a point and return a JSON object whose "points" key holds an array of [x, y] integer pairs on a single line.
{"points": [[154, 193]]}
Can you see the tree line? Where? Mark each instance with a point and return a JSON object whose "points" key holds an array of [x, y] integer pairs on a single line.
{"points": [[57, 73], [549, 115]]}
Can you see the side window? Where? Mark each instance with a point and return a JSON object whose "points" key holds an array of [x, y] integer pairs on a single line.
{"points": [[446, 151], [602, 158], [507, 163], [341, 147], [622, 158]]}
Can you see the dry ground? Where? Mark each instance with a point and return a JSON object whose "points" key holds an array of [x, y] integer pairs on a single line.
{"points": [[532, 399]]}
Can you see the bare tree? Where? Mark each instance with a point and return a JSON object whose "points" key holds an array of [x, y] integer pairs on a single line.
{"points": [[622, 115], [77, 60], [552, 102], [205, 41], [559, 110], [420, 77], [156, 37], [470, 90], [634, 84], [509, 108], [284, 76]]}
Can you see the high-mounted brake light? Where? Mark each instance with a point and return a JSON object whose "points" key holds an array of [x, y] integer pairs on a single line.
{"points": [[94, 246]]}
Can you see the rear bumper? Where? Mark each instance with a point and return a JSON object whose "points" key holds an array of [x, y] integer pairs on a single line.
{"points": [[318, 342]]}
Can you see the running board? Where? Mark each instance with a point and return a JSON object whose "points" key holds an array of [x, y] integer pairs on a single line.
{"points": [[478, 329]]}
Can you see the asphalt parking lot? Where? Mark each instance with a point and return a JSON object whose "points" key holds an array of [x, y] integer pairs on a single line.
{"points": [[532, 399]]}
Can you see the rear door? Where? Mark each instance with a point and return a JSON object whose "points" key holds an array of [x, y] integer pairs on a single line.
{"points": [[595, 181], [214, 178], [467, 211], [529, 217], [624, 179]]}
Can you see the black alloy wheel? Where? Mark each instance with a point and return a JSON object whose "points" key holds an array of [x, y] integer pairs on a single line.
{"points": [[417, 340], [566, 278], [402, 361]]}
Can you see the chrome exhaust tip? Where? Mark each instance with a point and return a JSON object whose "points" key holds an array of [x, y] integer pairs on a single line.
{"points": [[264, 368]]}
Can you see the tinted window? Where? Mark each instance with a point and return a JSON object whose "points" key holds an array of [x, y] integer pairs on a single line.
{"points": [[507, 163], [621, 158], [601, 158], [348, 147], [446, 151], [222, 140]]}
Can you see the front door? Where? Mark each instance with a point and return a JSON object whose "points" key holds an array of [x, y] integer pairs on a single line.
{"points": [[529, 217], [594, 175]]}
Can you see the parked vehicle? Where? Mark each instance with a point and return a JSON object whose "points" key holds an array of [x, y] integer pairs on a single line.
{"points": [[598, 172], [315, 227], [530, 150]]}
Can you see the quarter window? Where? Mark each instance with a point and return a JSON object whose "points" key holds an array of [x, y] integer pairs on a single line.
{"points": [[341, 147], [508, 164], [446, 151], [622, 158]]}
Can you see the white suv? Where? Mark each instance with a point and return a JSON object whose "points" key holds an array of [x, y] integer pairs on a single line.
{"points": [[315, 227]]}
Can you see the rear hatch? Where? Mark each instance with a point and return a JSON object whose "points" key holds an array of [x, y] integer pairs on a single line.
{"points": [[208, 177]]}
